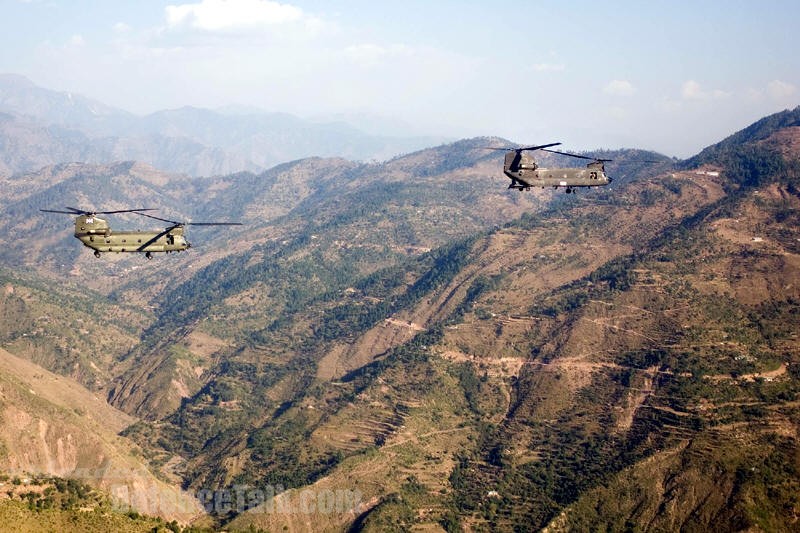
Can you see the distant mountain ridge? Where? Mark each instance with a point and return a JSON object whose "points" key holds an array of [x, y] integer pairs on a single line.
{"points": [[21, 96], [198, 142]]}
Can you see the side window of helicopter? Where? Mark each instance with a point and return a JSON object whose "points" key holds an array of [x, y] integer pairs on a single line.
{"points": [[593, 175]]}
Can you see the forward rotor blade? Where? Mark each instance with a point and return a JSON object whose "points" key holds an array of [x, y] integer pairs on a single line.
{"points": [[526, 148], [75, 211], [540, 147], [121, 211], [154, 239], [56, 211]]}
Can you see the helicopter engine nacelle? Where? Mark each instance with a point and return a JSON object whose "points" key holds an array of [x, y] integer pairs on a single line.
{"points": [[91, 225]]}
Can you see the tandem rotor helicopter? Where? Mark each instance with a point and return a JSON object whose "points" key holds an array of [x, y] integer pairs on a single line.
{"points": [[95, 233], [526, 173]]}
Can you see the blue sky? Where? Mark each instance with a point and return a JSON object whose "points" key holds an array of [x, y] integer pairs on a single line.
{"points": [[668, 76]]}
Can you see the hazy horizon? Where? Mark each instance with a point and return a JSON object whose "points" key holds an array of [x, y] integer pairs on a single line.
{"points": [[673, 78]]}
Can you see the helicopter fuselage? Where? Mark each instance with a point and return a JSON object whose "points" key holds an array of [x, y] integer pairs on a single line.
{"points": [[557, 177], [95, 233], [525, 173]]}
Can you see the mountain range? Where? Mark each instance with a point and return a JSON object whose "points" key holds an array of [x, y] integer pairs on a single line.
{"points": [[40, 127], [408, 344]]}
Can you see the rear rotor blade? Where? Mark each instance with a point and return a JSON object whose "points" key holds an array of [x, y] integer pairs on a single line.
{"points": [[177, 224], [574, 155], [161, 219], [75, 211], [600, 159], [212, 224]]}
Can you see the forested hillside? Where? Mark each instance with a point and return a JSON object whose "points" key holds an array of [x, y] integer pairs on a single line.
{"points": [[455, 354]]}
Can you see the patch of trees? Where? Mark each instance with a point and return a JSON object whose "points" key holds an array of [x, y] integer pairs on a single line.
{"points": [[351, 318]]}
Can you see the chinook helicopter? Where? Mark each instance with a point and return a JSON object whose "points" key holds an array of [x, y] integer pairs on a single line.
{"points": [[525, 173], [95, 233]]}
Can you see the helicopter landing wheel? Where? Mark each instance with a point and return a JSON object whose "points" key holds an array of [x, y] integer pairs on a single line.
{"points": [[569, 191], [97, 254], [148, 255]]}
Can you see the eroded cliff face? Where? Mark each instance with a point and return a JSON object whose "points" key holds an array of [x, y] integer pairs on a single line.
{"points": [[51, 425]]}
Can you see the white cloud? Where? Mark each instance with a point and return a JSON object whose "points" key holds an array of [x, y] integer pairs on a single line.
{"points": [[691, 90], [780, 90], [121, 28], [619, 88], [231, 15]]}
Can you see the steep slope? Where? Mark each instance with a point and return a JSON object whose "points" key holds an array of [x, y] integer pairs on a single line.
{"points": [[317, 226], [683, 345], [355, 218], [52, 425], [270, 382], [778, 124], [347, 222], [409, 345], [66, 328], [629, 364]]}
